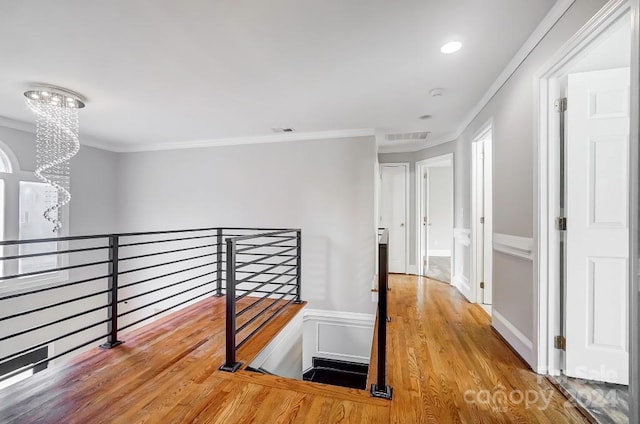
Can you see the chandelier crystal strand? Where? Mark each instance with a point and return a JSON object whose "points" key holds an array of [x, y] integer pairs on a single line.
{"points": [[57, 142]]}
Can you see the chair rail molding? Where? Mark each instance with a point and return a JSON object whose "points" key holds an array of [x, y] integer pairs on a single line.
{"points": [[521, 247]]}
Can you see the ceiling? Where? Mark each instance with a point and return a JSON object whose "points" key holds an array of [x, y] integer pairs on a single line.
{"points": [[165, 72]]}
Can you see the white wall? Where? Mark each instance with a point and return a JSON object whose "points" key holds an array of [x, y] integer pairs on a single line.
{"points": [[440, 213], [324, 187]]}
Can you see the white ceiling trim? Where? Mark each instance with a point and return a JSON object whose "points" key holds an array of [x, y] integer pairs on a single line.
{"points": [[557, 11], [272, 138], [31, 128]]}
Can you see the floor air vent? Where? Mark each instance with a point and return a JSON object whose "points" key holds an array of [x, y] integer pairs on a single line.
{"points": [[338, 373]]}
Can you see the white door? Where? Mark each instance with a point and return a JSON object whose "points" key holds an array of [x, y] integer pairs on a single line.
{"points": [[393, 191], [425, 223], [597, 234], [487, 214], [481, 197]]}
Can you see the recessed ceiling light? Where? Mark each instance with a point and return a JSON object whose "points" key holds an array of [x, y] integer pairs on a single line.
{"points": [[426, 117], [436, 92], [451, 47]]}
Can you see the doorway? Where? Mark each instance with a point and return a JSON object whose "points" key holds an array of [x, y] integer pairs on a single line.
{"points": [[584, 210], [434, 201], [394, 187], [482, 216]]}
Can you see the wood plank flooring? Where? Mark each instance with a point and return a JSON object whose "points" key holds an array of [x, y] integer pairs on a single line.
{"points": [[446, 365]]}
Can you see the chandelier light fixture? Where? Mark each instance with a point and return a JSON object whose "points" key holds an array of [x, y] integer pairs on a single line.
{"points": [[57, 141]]}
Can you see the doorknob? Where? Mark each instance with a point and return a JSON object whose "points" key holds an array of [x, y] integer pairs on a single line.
{"points": [[402, 224]]}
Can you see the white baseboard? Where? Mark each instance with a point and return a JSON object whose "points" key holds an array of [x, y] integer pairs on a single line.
{"points": [[518, 341], [461, 283], [412, 270], [338, 335]]}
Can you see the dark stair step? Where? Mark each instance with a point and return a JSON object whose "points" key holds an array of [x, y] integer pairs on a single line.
{"points": [[337, 364], [338, 373]]}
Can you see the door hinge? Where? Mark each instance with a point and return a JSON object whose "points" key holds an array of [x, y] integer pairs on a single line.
{"points": [[482, 220], [481, 284], [560, 105], [559, 342], [561, 223]]}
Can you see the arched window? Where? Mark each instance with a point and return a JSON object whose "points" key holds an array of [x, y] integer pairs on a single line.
{"points": [[23, 200], [5, 162]]}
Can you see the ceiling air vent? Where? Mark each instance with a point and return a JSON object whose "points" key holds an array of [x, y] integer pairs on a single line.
{"points": [[411, 136]]}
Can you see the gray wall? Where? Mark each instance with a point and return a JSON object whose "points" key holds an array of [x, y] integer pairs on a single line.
{"points": [[325, 187], [93, 182], [513, 110]]}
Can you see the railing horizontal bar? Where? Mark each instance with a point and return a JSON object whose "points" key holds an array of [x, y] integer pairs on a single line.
{"points": [[269, 233], [264, 263], [246, 339], [259, 314], [153, 233], [259, 254], [146, 255], [258, 229], [57, 252], [52, 239], [53, 322], [165, 310], [12, 296], [266, 256], [64, 302], [242, 235], [261, 284], [267, 273], [272, 292], [164, 275], [164, 298], [166, 240], [264, 270], [266, 234], [168, 263], [34, 365], [38, 346], [165, 287], [257, 302], [273, 244], [48, 271]]}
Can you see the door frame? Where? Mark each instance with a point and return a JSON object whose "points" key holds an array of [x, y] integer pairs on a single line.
{"points": [[407, 207], [421, 167], [474, 228], [547, 360]]}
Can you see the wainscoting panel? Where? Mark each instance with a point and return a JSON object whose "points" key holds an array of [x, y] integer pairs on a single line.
{"points": [[338, 335], [461, 261]]}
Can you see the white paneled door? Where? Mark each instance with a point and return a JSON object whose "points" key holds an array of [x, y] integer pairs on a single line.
{"points": [[597, 345], [393, 213]]}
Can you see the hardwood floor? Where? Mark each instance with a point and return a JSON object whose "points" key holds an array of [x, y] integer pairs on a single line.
{"points": [[446, 365]]}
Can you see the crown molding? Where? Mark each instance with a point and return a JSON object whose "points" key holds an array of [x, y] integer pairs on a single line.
{"points": [[221, 142], [551, 18], [410, 149], [15, 124]]}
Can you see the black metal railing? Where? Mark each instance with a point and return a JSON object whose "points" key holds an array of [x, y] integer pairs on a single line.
{"points": [[380, 388], [263, 276], [65, 294]]}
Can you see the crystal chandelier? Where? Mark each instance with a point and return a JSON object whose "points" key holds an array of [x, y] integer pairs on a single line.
{"points": [[57, 142]]}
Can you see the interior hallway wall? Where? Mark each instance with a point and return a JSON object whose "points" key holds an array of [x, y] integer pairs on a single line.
{"points": [[324, 187], [513, 110]]}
